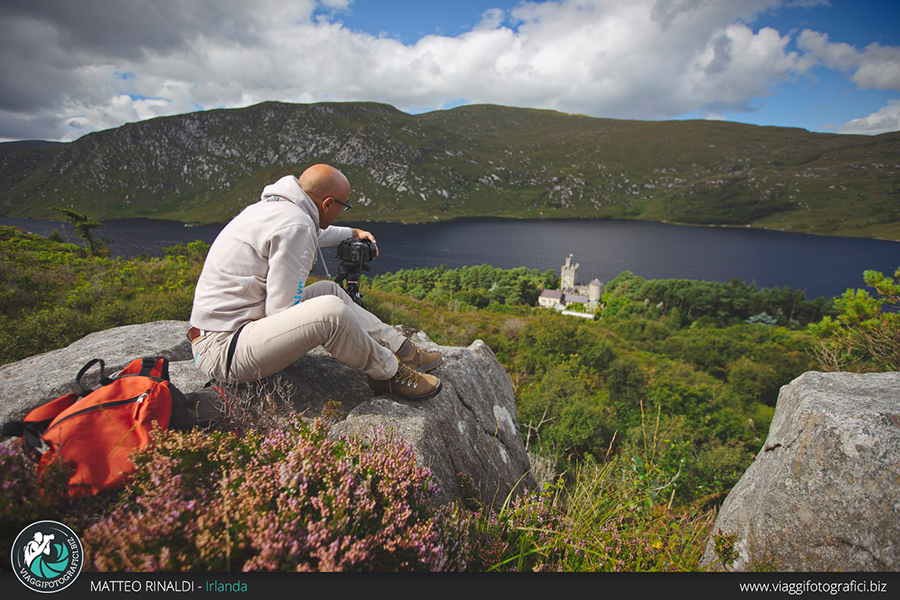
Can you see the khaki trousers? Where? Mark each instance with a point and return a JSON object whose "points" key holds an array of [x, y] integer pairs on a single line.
{"points": [[325, 317]]}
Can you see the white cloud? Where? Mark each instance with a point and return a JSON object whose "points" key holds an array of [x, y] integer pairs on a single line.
{"points": [[638, 59], [884, 120], [806, 3], [492, 18], [603, 58], [876, 66]]}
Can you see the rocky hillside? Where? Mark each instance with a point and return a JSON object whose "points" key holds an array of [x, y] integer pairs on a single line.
{"points": [[468, 161]]}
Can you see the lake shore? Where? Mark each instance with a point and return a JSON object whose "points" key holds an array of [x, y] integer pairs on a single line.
{"points": [[820, 265]]}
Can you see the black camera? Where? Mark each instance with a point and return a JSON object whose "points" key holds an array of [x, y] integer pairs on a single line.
{"points": [[356, 251], [354, 254]]}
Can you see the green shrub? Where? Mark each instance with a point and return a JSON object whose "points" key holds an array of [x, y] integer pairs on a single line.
{"points": [[54, 293], [600, 522], [865, 335]]}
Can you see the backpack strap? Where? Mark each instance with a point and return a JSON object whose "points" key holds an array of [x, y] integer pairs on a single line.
{"points": [[31, 433], [155, 366], [149, 366], [35, 423], [104, 380], [231, 348]]}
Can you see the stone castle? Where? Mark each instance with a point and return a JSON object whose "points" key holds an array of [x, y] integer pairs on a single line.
{"points": [[570, 292]]}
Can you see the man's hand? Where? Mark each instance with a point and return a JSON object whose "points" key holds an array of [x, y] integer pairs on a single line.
{"points": [[361, 234]]}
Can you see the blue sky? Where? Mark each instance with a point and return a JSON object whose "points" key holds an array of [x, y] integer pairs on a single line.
{"points": [[70, 68], [827, 98]]}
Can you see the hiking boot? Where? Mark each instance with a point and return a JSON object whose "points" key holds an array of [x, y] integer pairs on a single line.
{"points": [[408, 384], [417, 360]]}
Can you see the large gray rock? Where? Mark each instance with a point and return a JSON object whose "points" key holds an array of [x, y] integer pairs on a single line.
{"points": [[470, 428], [468, 432], [34, 380], [824, 491]]}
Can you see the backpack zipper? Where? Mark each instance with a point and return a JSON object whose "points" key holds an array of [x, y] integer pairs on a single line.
{"points": [[113, 404]]}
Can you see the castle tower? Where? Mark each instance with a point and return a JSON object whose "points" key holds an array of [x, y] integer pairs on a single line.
{"points": [[567, 275], [595, 290]]}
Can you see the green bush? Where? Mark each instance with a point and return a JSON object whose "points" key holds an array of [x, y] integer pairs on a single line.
{"points": [[54, 293], [598, 522], [548, 340], [626, 380], [751, 381], [563, 414], [865, 334]]}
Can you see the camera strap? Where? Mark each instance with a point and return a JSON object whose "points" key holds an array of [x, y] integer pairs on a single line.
{"points": [[324, 265]]}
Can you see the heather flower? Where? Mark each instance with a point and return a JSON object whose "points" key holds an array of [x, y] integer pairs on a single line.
{"points": [[284, 501], [26, 496]]}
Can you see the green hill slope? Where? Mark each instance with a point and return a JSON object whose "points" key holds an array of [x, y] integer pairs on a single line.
{"points": [[469, 161]]}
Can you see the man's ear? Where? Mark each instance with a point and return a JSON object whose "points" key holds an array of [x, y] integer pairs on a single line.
{"points": [[320, 207]]}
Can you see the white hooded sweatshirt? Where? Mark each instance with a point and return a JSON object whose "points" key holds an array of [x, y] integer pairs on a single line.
{"points": [[258, 264]]}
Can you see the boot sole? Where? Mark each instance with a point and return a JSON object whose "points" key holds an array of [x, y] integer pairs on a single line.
{"points": [[430, 367], [431, 394]]}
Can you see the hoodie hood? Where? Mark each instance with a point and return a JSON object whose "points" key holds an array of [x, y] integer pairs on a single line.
{"points": [[289, 188]]}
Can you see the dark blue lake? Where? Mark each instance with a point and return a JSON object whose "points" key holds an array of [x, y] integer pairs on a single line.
{"points": [[819, 265]]}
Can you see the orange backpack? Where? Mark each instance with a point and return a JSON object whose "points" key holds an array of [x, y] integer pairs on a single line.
{"points": [[96, 430]]}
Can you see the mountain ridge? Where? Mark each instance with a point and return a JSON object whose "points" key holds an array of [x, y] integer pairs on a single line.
{"points": [[469, 161]]}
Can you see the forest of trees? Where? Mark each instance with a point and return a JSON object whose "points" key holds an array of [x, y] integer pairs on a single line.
{"points": [[478, 286]]}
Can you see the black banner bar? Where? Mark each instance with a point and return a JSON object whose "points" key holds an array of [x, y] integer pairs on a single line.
{"points": [[546, 586]]}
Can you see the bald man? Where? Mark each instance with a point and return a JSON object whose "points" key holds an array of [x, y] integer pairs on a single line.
{"points": [[253, 313]]}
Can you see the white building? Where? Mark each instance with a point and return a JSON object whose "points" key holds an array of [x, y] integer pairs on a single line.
{"points": [[550, 298]]}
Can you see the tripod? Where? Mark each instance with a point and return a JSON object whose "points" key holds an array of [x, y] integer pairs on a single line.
{"points": [[348, 278]]}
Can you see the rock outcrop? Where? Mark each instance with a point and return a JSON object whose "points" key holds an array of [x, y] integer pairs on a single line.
{"points": [[467, 433], [824, 491], [37, 379]]}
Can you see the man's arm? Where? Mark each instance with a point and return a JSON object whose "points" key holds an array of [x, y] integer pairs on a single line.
{"points": [[334, 235], [291, 254]]}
